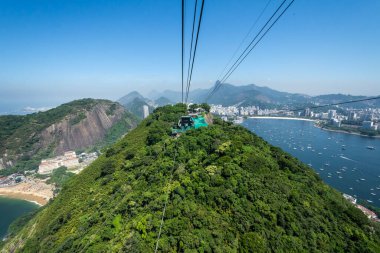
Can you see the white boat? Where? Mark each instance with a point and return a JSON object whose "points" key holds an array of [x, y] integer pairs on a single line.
{"points": [[370, 147]]}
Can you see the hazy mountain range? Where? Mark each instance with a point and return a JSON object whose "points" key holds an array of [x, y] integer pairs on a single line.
{"points": [[252, 94]]}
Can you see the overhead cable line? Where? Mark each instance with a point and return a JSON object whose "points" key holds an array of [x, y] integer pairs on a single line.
{"points": [[167, 199], [195, 50], [250, 47], [244, 54], [245, 38], [191, 45], [183, 41]]}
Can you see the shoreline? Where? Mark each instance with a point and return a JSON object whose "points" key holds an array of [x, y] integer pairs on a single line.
{"points": [[286, 118], [345, 132], [40, 201], [32, 190]]}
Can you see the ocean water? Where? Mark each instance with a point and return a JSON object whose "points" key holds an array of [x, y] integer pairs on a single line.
{"points": [[11, 209], [342, 160]]}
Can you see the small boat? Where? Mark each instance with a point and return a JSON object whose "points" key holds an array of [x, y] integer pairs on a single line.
{"points": [[351, 188], [370, 147], [340, 177], [362, 179], [370, 201], [373, 193]]}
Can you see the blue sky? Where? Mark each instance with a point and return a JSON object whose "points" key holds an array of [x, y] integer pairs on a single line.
{"points": [[56, 51]]}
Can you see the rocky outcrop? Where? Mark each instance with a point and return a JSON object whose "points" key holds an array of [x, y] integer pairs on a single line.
{"points": [[79, 124], [65, 135]]}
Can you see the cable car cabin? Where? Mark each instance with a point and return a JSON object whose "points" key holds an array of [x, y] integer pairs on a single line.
{"points": [[191, 121]]}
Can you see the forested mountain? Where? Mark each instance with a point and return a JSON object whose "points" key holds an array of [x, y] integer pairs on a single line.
{"points": [[78, 125], [134, 103], [224, 189], [130, 97], [252, 94]]}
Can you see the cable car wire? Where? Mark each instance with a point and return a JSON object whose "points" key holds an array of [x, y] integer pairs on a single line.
{"points": [[183, 40], [195, 50], [249, 48], [191, 44], [245, 38], [167, 199], [219, 83]]}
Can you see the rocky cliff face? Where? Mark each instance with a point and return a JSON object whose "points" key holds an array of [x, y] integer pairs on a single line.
{"points": [[91, 129], [25, 140]]}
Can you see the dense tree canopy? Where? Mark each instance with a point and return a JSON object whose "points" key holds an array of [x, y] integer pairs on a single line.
{"points": [[227, 189]]}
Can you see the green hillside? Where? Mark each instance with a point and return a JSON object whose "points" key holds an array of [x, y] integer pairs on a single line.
{"points": [[227, 191], [26, 139]]}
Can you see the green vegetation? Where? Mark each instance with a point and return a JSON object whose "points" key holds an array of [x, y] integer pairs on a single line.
{"points": [[59, 177], [20, 136], [78, 118], [128, 121], [136, 107], [229, 191]]}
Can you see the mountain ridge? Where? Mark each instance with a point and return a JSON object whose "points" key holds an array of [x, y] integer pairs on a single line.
{"points": [[77, 125], [251, 94]]}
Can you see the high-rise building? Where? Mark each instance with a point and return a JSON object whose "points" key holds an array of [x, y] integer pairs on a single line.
{"points": [[332, 114], [145, 111], [352, 116]]}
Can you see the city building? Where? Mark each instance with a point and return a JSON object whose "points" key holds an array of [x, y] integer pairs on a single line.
{"points": [[367, 125], [69, 160], [145, 111], [331, 114], [335, 122], [352, 116]]}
